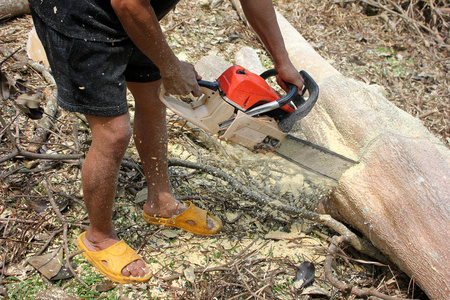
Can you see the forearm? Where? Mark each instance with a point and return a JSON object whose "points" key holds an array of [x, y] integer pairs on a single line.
{"points": [[261, 16], [141, 24]]}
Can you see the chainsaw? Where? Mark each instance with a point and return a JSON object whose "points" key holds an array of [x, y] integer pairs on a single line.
{"points": [[243, 108]]}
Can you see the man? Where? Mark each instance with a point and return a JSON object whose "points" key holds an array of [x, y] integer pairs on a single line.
{"points": [[96, 50]]}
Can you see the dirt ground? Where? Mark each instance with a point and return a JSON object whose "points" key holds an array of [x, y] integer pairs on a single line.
{"points": [[259, 251]]}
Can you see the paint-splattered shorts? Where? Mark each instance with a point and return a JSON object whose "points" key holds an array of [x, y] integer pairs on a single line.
{"points": [[91, 76]]}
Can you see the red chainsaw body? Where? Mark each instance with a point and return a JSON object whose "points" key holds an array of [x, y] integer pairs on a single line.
{"points": [[246, 89]]}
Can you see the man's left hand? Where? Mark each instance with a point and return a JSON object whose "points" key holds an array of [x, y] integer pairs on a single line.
{"points": [[289, 74]]}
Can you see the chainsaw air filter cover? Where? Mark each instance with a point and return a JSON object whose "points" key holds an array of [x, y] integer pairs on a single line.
{"points": [[244, 89]]}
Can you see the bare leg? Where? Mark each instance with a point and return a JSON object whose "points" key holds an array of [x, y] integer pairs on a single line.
{"points": [[110, 138], [150, 136]]}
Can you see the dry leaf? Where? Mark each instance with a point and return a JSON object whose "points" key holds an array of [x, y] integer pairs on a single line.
{"points": [[16, 270], [170, 233], [48, 264], [104, 286], [29, 105], [305, 275], [4, 86], [189, 274], [64, 273]]}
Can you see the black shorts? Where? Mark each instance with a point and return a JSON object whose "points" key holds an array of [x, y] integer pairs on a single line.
{"points": [[91, 76]]}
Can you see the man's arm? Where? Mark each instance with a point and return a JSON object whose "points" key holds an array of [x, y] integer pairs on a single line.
{"points": [[261, 16], [141, 24]]}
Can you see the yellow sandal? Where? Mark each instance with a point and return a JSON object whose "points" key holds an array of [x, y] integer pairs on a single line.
{"points": [[196, 216], [117, 257]]}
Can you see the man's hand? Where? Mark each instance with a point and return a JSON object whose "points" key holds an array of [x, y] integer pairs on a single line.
{"points": [[181, 79], [288, 74]]}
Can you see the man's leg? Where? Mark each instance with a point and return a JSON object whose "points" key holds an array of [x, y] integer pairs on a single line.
{"points": [[110, 139], [150, 136]]}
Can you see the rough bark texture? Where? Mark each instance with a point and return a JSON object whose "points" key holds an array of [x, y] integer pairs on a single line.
{"points": [[398, 195], [13, 8], [397, 198]]}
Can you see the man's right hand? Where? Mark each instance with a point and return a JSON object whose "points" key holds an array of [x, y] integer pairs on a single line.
{"points": [[181, 79], [141, 24]]}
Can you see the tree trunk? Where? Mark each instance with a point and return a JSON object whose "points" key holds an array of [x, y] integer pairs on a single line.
{"points": [[13, 8], [398, 195]]}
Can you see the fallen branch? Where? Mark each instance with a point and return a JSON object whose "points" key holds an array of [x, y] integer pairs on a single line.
{"points": [[417, 25], [13, 8]]}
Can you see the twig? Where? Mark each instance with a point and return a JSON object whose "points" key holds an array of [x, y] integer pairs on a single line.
{"points": [[8, 132], [7, 126], [17, 220], [64, 222], [246, 285], [9, 56], [337, 240], [427, 113], [199, 271], [49, 240], [415, 24], [32, 155]]}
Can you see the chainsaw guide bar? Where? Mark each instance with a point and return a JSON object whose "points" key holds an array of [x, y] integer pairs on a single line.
{"points": [[314, 158]]}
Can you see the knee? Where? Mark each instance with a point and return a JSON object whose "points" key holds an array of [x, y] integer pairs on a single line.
{"points": [[118, 138], [113, 141], [110, 136]]}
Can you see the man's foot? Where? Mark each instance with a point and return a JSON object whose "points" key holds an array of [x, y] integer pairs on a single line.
{"points": [[169, 207], [136, 268]]}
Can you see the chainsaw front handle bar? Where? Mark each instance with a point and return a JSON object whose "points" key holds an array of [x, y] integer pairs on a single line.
{"points": [[303, 107], [293, 89], [309, 85]]}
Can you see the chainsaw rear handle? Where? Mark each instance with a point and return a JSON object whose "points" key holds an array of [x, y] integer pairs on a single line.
{"points": [[212, 85]]}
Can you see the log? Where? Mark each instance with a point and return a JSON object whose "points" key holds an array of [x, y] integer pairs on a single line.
{"points": [[13, 8], [398, 195]]}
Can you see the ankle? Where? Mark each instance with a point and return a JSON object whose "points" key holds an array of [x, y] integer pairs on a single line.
{"points": [[96, 237], [164, 207]]}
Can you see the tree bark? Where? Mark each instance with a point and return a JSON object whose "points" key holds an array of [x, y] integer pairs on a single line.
{"points": [[13, 8]]}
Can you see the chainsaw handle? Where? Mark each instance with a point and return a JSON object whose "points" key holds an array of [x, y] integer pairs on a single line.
{"points": [[303, 106], [212, 85], [310, 86], [293, 89]]}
